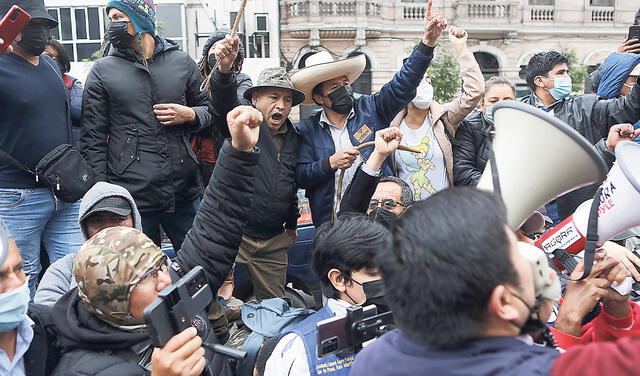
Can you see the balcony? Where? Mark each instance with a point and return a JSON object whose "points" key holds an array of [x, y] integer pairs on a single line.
{"points": [[492, 18]]}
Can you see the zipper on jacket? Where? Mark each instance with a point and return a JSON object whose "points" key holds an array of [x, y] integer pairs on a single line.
{"points": [[37, 177], [57, 183]]}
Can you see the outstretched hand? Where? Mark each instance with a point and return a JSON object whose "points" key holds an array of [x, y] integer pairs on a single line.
{"points": [[434, 25], [244, 126]]}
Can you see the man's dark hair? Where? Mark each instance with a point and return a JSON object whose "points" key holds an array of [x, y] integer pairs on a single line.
{"points": [[406, 195], [447, 255], [63, 56], [348, 244], [541, 64], [268, 345]]}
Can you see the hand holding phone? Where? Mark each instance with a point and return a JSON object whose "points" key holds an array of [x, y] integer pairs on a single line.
{"points": [[11, 25]]}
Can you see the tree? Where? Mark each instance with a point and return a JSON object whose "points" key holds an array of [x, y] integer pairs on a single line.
{"points": [[445, 77], [444, 73], [578, 72]]}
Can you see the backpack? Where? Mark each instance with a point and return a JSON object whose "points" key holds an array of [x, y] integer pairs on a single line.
{"points": [[266, 318]]}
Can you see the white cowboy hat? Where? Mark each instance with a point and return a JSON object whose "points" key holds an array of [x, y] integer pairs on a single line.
{"points": [[321, 67]]}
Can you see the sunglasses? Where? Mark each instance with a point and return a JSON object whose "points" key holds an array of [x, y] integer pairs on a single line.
{"points": [[388, 204]]}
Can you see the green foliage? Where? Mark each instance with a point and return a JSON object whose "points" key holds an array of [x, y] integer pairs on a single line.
{"points": [[578, 72], [445, 75], [94, 56]]}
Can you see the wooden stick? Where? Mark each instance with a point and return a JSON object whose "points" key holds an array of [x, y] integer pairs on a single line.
{"points": [[234, 29], [342, 171]]}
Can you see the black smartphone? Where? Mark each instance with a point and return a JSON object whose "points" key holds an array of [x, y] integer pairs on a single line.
{"points": [[334, 334], [177, 307], [634, 32]]}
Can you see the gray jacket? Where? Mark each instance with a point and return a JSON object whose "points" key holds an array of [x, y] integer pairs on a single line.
{"points": [[59, 278]]}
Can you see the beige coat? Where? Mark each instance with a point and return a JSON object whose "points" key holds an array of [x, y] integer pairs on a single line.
{"points": [[450, 114]]}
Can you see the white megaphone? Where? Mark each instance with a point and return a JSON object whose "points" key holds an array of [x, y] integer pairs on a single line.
{"points": [[619, 207], [538, 158]]}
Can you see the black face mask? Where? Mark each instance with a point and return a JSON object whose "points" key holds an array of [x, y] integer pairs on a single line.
{"points": [[342, 100], [118, 35], [35, 38], [533, 323], [374, 291], [383, 216]]}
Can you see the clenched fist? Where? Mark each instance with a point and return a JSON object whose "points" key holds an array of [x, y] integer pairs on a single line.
{"points": [[244, 126]]}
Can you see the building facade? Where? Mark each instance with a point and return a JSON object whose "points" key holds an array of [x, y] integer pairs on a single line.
{"points": [[503, 34], [83, 23]]}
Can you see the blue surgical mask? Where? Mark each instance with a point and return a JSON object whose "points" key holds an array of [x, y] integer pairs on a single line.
{"points": [[561, 88], [13, 307], [488, 115]]}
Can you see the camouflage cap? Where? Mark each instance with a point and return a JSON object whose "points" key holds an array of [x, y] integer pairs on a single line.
{"points": [[107, 268], [278, 78]]}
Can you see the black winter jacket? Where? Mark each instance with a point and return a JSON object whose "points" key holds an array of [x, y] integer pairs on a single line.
{"points": [[43, 354], [93, 347], [121, 138], [592, 116], [470, 152], [275, 199]]}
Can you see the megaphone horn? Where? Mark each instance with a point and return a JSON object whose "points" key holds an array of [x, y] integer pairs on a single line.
{"points": [[538, 158], [618, 210]]}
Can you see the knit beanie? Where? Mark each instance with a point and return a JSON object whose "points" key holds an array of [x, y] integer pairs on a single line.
{"points": [[142, 13]]}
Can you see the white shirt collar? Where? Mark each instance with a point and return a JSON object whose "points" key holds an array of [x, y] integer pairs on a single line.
{"points": [[324, 120]]}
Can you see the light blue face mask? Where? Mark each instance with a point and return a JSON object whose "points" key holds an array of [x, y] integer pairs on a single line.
{"points": [[488, 115], [561, 88], [13, 307]]}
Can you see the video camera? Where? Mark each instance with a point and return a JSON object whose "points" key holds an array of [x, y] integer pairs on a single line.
{"points": [[346, 334], [181, 305]]}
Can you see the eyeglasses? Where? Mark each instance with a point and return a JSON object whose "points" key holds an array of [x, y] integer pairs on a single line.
{"points": [[153, 275], [389, 204]]}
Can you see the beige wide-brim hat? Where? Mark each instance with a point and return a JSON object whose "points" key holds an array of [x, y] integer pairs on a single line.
{"points": [[321, 67]]}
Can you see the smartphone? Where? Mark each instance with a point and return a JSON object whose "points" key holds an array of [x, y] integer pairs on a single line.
{"points": [[178, 307], [634, 32], [334, 334], [11, 25]]}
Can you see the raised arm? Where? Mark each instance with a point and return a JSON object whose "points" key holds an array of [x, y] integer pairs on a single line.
{"points": [[472, 78], [396, 94], [222, 217]]}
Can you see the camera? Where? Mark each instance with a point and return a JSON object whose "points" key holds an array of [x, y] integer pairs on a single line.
{"points": [[346, 334]]}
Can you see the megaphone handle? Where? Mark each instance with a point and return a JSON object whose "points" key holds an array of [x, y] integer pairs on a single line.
{"points": [[592, 235]]}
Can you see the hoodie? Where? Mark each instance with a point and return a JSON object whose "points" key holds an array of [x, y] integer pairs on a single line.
{"points": [[614, 71], [91, 346], [58, 278]]}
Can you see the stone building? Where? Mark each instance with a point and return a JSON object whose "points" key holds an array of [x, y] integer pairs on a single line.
{"points": [[504, 34]]}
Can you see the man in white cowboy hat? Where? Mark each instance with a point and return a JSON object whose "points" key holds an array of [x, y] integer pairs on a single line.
{"points": [[327, 140], [271, 230]]}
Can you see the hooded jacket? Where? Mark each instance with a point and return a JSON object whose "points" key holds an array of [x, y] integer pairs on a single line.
{"points": [[91, 347], [58, 279], [123, 141], [614, 71]]}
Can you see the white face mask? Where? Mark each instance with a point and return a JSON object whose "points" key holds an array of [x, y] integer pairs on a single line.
{"points": [[424, 96]]}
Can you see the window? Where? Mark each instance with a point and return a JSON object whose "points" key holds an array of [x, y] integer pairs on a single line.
{"points": [[170, 22], [259, 47], [80, 30], [261, 22], [541, 2], [603, 3]]}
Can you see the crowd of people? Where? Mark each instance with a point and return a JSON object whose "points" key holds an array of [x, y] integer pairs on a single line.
{"points": [[197, 152]]}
